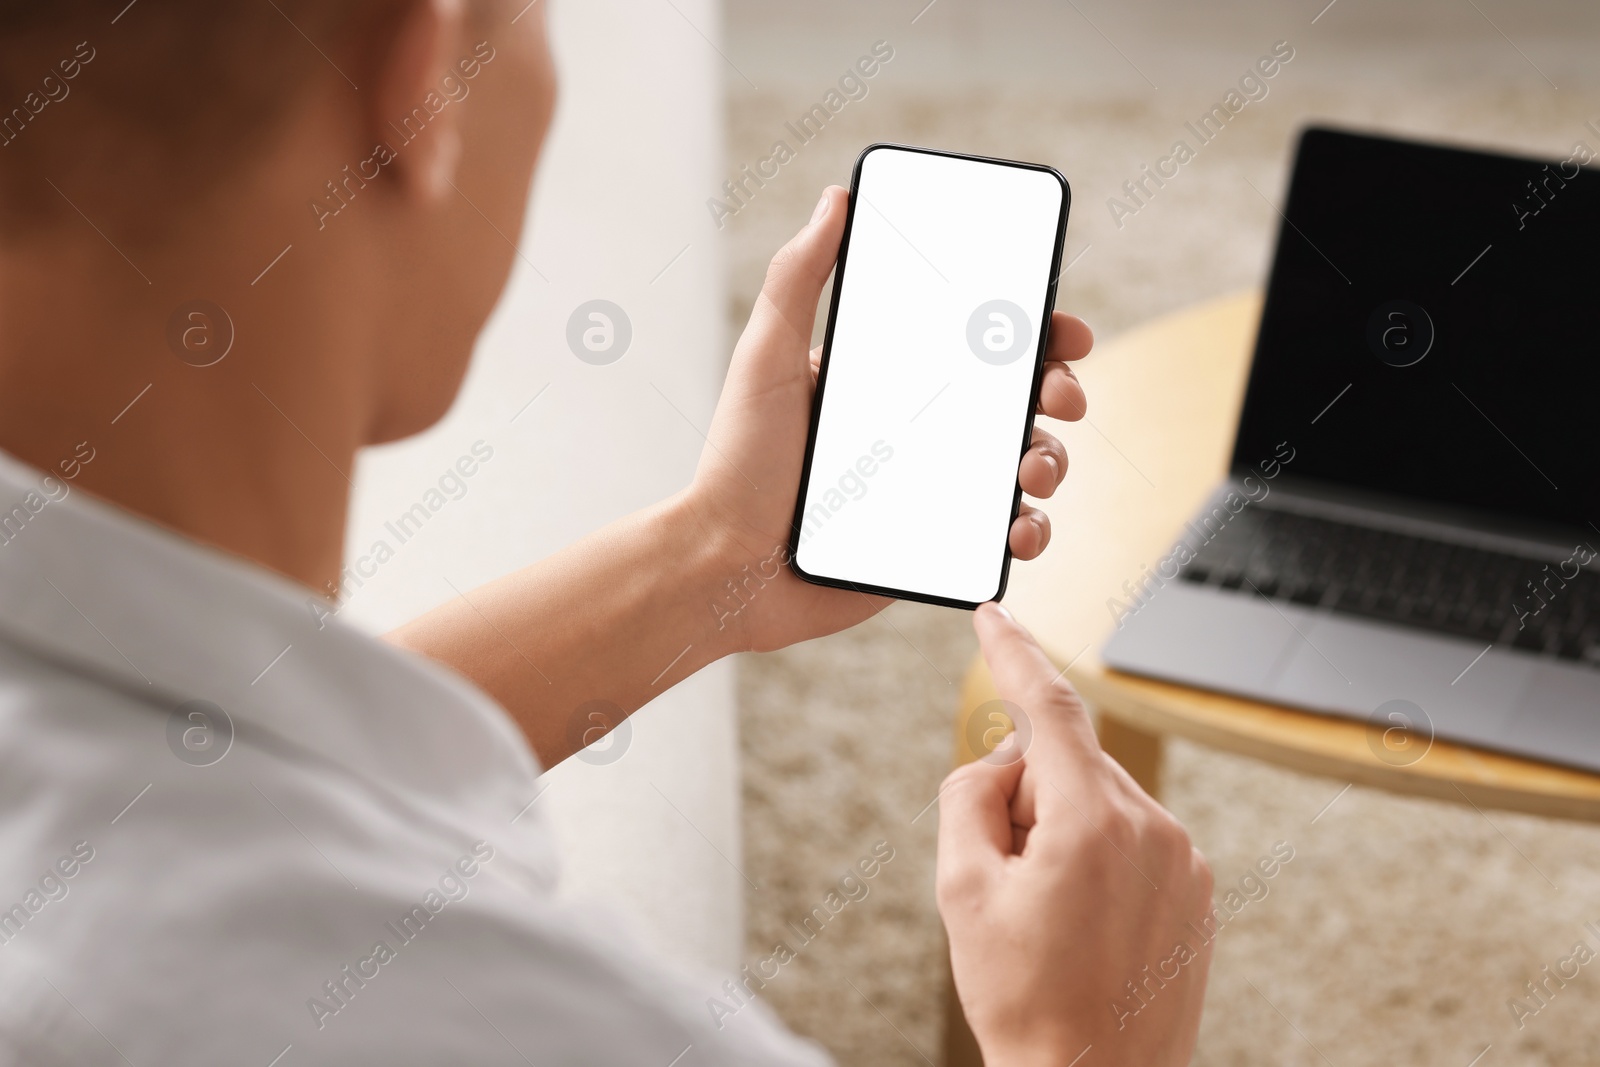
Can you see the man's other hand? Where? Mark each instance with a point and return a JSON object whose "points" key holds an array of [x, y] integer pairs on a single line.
{"points": [[1075, 904]]}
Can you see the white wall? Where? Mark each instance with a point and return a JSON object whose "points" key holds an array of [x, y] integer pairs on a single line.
{"points": [[635, 151]]}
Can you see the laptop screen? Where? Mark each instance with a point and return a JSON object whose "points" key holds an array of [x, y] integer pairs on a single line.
{"points": [[1432, 327]]}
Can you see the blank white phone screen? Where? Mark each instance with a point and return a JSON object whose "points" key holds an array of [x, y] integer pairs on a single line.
{"points": [[930, 373]]}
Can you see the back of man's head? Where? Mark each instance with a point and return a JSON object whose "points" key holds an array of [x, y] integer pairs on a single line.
{"points": [[311, 171], [143, 106]]}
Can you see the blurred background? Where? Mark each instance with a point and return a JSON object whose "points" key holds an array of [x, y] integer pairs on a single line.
{"points": [[735, 801]]}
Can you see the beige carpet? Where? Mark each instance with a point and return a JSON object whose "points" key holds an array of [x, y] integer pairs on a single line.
{"points": [[1402, 927]]}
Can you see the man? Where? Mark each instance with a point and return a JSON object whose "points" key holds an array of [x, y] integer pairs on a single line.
{"points": [[233, 832]]}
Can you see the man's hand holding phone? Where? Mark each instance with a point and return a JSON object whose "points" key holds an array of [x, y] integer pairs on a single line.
{"points": [[744, 490], [1064, 887]]}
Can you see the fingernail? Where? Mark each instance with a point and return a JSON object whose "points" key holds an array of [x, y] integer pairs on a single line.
{"points": [[822, 208], [1055, 468], [1003, 612]]}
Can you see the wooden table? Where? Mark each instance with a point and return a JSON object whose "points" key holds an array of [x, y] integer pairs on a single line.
{"points": [[1163, 403]]}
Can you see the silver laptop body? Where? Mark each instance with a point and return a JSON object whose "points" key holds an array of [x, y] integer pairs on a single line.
{"points": [[1408, 534]]}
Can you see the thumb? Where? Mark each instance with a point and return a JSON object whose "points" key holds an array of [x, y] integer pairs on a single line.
{"points": [[975, 824], [787, 307]]}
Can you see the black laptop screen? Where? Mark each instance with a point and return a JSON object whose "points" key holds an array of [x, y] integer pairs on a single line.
{"points": [[1432, 327]]}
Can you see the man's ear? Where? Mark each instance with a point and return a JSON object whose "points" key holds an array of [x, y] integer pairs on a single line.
{"points": [[411, 113]]}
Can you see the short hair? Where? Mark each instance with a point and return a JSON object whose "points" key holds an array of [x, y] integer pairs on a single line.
{"points": [[122, 108]]}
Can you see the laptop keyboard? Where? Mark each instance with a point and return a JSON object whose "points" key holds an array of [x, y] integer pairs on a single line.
{"points": [[1412, 581]]}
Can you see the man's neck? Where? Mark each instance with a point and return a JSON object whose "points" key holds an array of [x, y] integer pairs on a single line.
{"points": [[252, 454]]}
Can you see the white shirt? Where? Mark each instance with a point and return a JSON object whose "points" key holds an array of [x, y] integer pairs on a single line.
{"points": [[330, 869]]}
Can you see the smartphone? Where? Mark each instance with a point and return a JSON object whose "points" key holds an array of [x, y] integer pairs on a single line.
{"points": [[930, 375]]}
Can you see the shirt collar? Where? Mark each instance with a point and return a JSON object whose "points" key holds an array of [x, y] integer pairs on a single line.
{"points": [[111, 596]]}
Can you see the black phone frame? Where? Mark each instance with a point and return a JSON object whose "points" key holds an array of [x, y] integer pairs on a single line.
{"points": [[827, 351]]}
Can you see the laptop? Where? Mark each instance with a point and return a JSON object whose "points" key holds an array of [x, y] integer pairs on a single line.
{"points": [[1409, 533]]}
